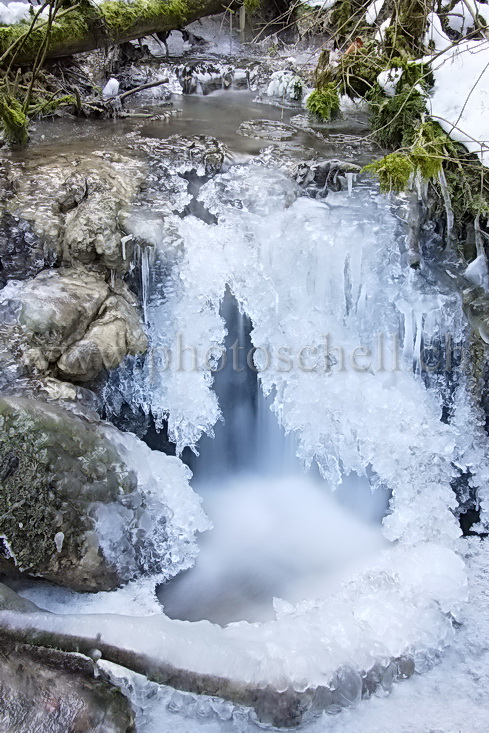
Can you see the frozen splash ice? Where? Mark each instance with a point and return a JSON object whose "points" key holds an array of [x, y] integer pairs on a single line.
{"points": [[327, 289]]}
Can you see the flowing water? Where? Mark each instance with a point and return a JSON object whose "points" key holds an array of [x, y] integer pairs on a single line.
{"points": [[312, 380]]}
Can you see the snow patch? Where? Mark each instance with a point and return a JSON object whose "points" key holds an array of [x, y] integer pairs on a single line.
{"points": [[460, 98]]}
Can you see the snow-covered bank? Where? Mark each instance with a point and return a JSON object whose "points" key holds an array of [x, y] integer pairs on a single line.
{"points": [[460, 98]]}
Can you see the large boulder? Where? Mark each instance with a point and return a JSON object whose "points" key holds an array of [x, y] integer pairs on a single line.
{"points": [[69, 321], [72, 509], [65, 209]]}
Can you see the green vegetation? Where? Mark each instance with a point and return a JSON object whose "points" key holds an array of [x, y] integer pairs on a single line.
{"points": [[14, 121], [252, 5], [394, 172], [357, 72], [120, 16], [324, 103], [394, 119]]}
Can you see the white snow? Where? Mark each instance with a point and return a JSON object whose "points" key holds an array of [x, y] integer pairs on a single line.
{"points": [[388, 80], [379, 36], [460, 98], [461, 19], [373, 11], [320, 4], [436, 37], [14, 13], [111, 89]]}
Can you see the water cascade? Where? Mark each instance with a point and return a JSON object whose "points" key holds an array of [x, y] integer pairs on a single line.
{"points": [[354, 386], [276, 528], [341, 392]]}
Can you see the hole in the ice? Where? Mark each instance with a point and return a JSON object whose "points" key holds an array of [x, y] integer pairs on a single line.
{"points": [[277, 532]]}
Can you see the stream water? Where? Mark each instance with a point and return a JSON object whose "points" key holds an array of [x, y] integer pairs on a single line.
{"points": [[311, 380]]}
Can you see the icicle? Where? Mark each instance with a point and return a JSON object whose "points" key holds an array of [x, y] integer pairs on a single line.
{"points": [[59, 538], [144, 280], [124, 241], [112, 279], [350, 177], [448, 204]]}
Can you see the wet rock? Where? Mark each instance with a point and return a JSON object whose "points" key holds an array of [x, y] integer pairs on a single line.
{"points": [[22, 251], [46, 690], [282, 709], [347, 688], [115, 333], [71, 321], [317, 177], [58, 472], [476, 307], [405, 667], [64, 210]]}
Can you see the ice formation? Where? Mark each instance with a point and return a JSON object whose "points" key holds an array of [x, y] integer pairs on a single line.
{"points": [[166, 526], [111, 89], [343, 350], [343, 332], [342, 299]]}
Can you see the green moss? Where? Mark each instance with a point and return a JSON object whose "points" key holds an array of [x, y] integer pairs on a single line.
{"points": [[393, 171], [406, 32], [252, 5], [324, 103], [429, 150], [52, 467], [14, 121], [356, 73], [120, 16], [395, 119], [68, 29], [46, 108], [109, 21], [348, 19]]}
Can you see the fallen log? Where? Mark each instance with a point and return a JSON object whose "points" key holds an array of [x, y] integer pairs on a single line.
{"points": [[98, 638], [77, 29]]}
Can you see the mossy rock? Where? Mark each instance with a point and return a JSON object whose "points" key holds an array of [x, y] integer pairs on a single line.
{"points": [[55, 467]]}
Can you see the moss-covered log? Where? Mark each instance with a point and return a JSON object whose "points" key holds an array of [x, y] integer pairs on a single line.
{"points": [[112, 22]]}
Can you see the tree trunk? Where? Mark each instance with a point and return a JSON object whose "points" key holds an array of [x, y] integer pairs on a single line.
{"points": [[81, 29], [286, 709]]}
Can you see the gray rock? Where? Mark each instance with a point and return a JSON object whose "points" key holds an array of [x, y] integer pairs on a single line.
{"points": [[54, 692], [58, 472], [115, 333], [68, 321], [65, 209]]}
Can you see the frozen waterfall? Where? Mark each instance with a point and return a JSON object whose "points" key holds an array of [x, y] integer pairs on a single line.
{"points": [[313, 374]]}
